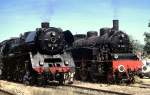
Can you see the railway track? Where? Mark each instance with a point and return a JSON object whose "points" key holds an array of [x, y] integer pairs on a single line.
{"points": [[3, 92], [78, 88], [96, 90]]}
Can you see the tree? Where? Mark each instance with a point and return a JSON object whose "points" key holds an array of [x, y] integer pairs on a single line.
{"points": [[137, 46], [147, 43]]}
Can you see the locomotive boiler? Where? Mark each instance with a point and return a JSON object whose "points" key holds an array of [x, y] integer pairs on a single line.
{"points": [[105, 57], [38, 57]]}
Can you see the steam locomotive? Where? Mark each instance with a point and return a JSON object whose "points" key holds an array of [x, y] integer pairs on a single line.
{"points": [[105, 57], [38, 57]]}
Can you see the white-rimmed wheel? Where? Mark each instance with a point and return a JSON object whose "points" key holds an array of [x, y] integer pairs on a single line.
{"points": [[121, 68]]}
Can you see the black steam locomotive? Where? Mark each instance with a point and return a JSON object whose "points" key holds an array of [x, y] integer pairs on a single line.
{"points": [[38, 57], [105, 57]]}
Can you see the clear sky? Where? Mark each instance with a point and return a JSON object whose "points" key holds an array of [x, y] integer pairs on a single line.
{"points": [[79, 16]]}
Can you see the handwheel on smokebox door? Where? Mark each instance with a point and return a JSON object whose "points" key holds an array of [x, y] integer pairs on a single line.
{"points": [[84, 74]]}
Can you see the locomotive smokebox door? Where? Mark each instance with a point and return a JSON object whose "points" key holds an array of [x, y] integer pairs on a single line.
{"points": [[45, 24]]}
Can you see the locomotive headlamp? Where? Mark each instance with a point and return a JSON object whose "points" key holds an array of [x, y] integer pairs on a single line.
{"points": [[66, 63], [115, 56], [53, 33], [121, 68], [41, 63], [122, 35]]}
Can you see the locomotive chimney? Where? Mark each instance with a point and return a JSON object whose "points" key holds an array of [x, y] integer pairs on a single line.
{"points": [[115, 25], [45, 24]]}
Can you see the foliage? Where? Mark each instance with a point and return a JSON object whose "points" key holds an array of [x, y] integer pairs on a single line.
{"points": [[137, 46], [147, 43]]}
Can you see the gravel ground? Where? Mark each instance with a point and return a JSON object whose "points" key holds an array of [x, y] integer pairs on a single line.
{"points": [[2, 93], [142, 87]]}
